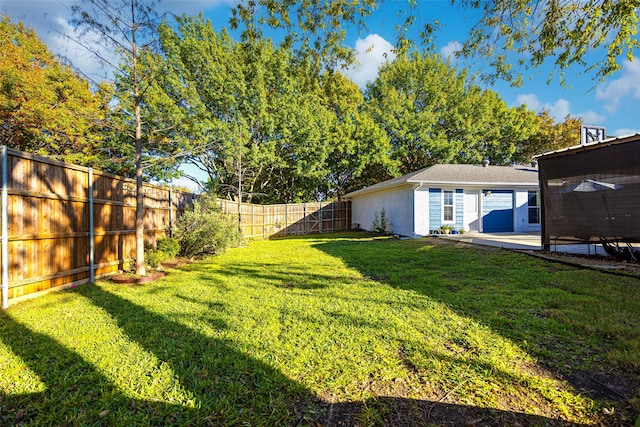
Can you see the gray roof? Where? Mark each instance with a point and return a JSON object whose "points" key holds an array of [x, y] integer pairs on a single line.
{"points": [[461, 175]]}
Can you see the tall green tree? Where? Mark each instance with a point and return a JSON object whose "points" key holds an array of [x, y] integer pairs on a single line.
{"points": [[550, 136], [45, 108], [357, 142], [433, 113], [256, 112], [122, 32]]}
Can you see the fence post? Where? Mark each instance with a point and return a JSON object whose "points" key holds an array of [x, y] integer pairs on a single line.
{"points": [[253, 214], [92, 266], [170, 211], [321, 217], [5, 230], [333, 216], [286, 218]]}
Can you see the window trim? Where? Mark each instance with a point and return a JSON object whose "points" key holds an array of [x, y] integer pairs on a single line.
{"points": [[536, 207], [452, 205]]}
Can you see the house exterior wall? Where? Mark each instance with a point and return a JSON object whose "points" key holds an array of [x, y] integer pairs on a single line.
{"points": [[435, 208], [522, 212], [397, 204], [416, 211], [432, 209], [420, 211]]}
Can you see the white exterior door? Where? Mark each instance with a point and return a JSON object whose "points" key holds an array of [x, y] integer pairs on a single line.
{"points": [[471, 217]]}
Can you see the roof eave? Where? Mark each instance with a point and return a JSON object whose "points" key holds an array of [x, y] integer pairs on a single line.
{"points": [[483, 183], [588, 147]]}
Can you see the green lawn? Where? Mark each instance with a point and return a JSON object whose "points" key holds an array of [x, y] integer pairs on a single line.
{"points": [[330, 329]]}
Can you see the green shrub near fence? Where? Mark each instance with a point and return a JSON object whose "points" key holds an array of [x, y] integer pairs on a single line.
{"points": [[205, 229]]}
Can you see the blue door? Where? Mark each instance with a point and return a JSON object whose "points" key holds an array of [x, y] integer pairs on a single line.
{"points": [[497, 211]]}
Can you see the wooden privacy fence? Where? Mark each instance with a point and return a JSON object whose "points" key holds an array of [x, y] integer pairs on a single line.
{"points": [[64, 224], [264, 221]]}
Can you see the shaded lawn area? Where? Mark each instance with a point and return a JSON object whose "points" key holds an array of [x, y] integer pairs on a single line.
{"points": [[339, 329]]}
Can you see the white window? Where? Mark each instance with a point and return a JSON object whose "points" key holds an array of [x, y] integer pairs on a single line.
{"points": [[534, 207], [447, 206]]}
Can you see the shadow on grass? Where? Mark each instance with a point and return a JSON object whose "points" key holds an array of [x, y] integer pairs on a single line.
{"points": [[231, 388], [89, 397], [542, 307], [392, 411]]}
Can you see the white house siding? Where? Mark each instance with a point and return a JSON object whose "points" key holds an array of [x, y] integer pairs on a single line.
{"points": [[434, 208], [522, 212], [421, 211], [397, 204]]}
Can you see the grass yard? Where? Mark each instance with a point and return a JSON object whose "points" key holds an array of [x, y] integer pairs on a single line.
{"points": [[340, 329]]}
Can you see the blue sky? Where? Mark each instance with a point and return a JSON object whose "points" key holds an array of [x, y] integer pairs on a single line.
{"points": [[612, 103]]}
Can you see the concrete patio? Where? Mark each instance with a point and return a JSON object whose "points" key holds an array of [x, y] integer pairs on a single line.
{"points": [[521, 241]]}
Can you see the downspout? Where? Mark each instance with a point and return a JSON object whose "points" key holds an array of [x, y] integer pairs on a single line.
{"points": [[413, 203]]}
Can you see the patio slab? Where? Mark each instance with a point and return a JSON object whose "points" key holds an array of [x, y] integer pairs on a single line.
{"points": [[520, 241]]}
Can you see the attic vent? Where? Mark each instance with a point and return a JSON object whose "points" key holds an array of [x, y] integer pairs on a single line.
{"points": [[485, 163]]}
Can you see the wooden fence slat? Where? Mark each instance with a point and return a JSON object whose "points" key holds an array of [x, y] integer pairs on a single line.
{"points": [[49, 231], [48, 224], [264, 221]]}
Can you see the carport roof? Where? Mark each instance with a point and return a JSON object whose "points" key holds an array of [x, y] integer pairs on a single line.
{"points": [[633, 138], [455, 174]]}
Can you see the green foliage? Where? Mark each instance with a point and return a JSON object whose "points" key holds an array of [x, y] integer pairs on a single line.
{"points": [[154, 257], [254, 111], [434, 114], [169, 245], [317, 28], [513, 36], [357, 142], [381, 223], [520, 35], [45, 108], [550, 136], [204, 229], [166, 249]]}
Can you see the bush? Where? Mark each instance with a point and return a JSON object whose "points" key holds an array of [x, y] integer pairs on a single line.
{"points": [[381, 223], [204, 229], [155, 257], [169, 246]]}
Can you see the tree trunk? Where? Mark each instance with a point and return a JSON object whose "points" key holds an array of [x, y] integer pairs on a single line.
{"points": [[140, 262]]}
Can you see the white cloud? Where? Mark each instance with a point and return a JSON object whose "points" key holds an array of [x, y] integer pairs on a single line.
{"points": [[559, 109], [627, 86], [371, 53], [450, 49]]}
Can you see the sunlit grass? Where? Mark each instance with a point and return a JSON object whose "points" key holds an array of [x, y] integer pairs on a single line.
{"points": [[272, 333]]}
